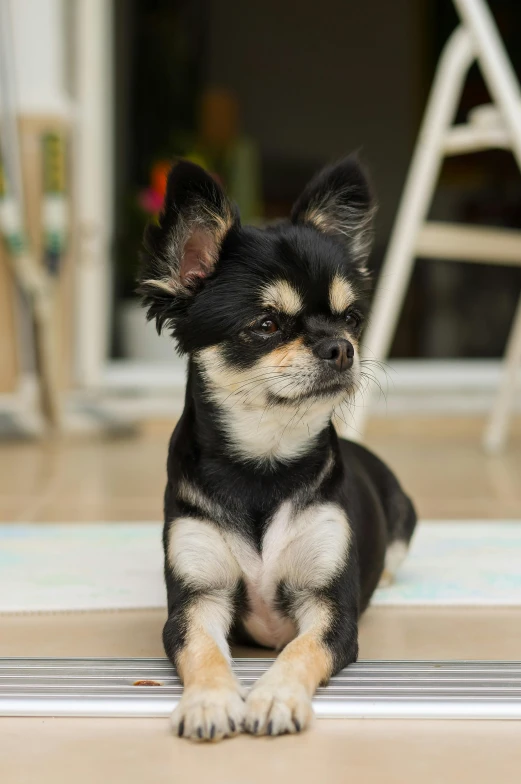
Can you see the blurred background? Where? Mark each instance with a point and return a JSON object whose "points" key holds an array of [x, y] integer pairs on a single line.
{"points": [[129, 85], [98, 97]]}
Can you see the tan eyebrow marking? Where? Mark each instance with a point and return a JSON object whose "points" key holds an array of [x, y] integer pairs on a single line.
{"points": [[281, 296], [341, 294]]}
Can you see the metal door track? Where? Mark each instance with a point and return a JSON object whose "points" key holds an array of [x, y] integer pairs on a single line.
{"points": [[368, 689]]}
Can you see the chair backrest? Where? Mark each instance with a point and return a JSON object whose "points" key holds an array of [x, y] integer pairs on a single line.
{"points": [[495, 65]]}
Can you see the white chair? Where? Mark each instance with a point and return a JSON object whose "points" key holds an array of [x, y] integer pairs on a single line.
{"points": [[496, 125]]}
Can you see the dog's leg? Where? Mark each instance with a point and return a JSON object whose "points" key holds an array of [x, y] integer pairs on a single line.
{"points": [[202, 582], [280, 701], [212, 705]]}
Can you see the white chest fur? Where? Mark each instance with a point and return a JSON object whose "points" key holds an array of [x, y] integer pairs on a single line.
{"points": [[302, 549], [275, 433]]}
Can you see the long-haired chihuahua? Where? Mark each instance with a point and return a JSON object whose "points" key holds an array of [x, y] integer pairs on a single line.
{"points": [[276, 530]]}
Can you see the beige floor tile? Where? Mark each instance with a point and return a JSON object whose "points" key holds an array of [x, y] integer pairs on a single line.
{"points": [[58, 751], [442, 465], [385, 633], [439, 461], [113, 479]]}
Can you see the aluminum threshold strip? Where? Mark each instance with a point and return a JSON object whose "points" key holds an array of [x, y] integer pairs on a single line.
{"points": [[368, 689]]}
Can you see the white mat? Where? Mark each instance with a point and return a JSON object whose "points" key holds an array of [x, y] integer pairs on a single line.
{"points": [[103, 566]]}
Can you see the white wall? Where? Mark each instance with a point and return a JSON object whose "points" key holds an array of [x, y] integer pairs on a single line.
{"points": [[38, 28]]}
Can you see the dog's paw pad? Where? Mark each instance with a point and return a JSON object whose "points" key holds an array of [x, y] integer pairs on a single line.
{"points": [[209, 714], [276, 711]]}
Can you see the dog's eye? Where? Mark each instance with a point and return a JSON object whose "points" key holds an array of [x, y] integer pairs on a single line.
{"points": [[353, 319], [267, 326]]}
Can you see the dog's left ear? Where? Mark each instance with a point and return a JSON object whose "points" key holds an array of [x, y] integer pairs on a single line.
{"points": [[338, 202]]}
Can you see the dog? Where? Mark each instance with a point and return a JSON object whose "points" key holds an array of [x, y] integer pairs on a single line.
{"points": [[276, 531]]}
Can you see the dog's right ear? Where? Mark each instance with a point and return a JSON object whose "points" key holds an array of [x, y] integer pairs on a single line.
{"points": [[181, 251]]}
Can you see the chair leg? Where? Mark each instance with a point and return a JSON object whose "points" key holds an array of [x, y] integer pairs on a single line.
{"points": [[495, 65], [504, 88], [452, 69], [496, 431]]}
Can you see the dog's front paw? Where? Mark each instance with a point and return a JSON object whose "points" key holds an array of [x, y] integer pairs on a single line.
{"points": [[277, 709], [209, 714]]}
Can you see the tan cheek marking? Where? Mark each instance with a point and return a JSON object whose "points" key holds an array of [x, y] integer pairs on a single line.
{"points": [[211, 362], [285, 356], [283, 297], [341, 294], [201, 663]]}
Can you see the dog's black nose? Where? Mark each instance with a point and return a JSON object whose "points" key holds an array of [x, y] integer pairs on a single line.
{"points": [[338, 353]]}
